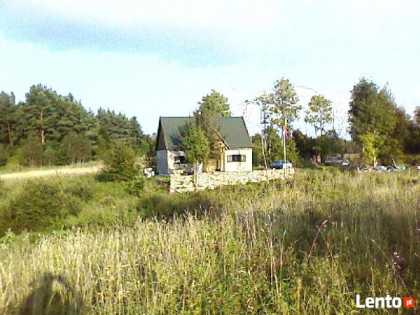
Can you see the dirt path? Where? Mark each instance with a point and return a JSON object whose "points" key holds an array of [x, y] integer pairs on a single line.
{"points": [[57, 171]]}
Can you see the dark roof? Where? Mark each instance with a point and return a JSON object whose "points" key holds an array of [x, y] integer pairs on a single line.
{"points": [[232, 129]]}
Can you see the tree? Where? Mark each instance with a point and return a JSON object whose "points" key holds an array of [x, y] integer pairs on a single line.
{"points": [[77, 148], [119, 163], [403, 130], [361, 96], [196, 145], [7, 117], [54, 120], [31, 152], [304, 144], [328, 144], [416, 118], [214, 105], [258, 154], [319, 113], [280, 106], [373, 118], [370, 143], [279, 109], [3, 155], [284, 108]]}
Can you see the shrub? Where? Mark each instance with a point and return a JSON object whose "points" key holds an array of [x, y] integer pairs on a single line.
{"points": [[136, 186], [40, 204], [119, 164]]}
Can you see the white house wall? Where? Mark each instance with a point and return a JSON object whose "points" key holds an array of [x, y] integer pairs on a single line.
{"points": [[238, 166], [165, 161]]}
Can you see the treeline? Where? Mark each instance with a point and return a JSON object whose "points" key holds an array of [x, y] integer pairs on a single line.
{"points": [[381, 131], [51, 129]]}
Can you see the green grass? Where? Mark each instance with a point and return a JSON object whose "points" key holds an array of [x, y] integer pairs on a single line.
{"points": [[303, 247]]}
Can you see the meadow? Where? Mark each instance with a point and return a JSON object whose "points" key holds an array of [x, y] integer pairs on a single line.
{"points": [[305, 246]]}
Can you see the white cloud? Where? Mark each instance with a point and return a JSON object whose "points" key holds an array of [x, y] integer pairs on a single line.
{"points": [[181, 13]]}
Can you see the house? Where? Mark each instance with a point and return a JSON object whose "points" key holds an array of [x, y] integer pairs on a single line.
{"points": [[235, 145]]}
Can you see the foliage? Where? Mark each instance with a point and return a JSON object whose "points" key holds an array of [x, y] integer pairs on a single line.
{"points": [[328, 144], [362, 96], [416, 118], [281, 105], [31, 152], [8, 118], [119, 163], [370, 145], [279, 109], [319, 113], [258, 146], [52, 129], [3, 155], [376, 120], [77, 147], [214, 105], [136, 186], [305, 145], [196, 145], [39, 205], [115, 126], [291, 151]]}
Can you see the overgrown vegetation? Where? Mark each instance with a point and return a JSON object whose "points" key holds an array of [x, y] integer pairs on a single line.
{"points": [[119, 163], [302, 247]]}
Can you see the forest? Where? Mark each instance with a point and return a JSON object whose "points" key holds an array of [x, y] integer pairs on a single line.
{"points": [[51, 129]]}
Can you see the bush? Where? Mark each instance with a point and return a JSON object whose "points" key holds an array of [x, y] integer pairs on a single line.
{"points": [[136, 186], [41, 204], [119, 164]]}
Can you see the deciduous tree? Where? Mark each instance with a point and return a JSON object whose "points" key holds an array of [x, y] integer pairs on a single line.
{"points": [[319, 113]]}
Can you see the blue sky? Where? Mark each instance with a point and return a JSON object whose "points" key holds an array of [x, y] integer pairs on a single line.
{"points": [[158, 58]]}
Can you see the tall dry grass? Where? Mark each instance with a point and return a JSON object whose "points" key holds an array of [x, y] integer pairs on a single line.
{"points": [[307, 247]]}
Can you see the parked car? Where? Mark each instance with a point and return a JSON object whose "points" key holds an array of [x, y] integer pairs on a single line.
{"points": [[280, 164], [338, 160]]}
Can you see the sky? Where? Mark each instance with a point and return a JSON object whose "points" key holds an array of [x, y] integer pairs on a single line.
{"points": [[159, 58]]}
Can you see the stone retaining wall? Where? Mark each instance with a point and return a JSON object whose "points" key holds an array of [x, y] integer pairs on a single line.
{"points": [[183, 183]]}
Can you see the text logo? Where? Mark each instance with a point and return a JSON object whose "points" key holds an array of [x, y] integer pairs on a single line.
{"points": [[408, 302], [384, 302]]}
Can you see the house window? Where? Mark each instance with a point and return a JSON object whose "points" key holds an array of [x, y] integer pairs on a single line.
{"points": [[236, 158], [179, 160]]}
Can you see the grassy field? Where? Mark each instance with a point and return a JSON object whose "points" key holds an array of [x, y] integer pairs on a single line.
{"points": [[307, 246]]}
